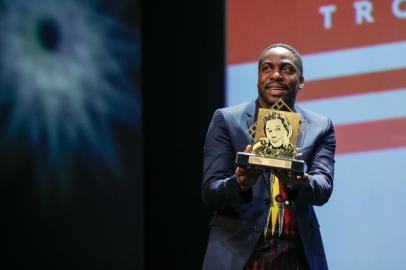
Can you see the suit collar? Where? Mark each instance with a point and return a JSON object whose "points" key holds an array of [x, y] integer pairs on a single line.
{"points": [[303, 127], [250, 113]]}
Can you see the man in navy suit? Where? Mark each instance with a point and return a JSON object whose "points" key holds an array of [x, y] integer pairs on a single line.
{"points": [[243, 234]]}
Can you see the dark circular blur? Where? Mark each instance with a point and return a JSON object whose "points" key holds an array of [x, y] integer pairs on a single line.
{"points": [[48, 34]]}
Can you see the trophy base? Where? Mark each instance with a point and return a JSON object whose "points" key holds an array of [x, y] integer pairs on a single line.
{"points": [[248, 159]]}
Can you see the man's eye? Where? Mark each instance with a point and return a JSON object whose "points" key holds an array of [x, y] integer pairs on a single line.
{"points": [[288, 69], [266, 68]]}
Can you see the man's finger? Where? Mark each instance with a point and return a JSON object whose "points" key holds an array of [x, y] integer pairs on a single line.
{"points": [[247, 149]]}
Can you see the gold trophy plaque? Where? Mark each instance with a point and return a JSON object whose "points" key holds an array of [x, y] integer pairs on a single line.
{"points": [[275, 140]]}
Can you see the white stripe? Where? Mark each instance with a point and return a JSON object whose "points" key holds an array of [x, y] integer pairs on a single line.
{"points": [[242, 78], [356, 61], [241, 83], [361, 108], [367, 203]]}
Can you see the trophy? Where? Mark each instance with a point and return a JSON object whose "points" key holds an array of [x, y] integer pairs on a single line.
{"points": [[275, 135]]}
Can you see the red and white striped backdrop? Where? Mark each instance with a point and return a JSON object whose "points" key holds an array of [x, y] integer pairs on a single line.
{"points": [[354, 56]]}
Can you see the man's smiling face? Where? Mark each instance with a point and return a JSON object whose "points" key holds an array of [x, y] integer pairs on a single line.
{"points": [[278, 77]]}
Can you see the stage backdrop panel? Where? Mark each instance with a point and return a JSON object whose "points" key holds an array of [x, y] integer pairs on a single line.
{"points": [[354, 55]]}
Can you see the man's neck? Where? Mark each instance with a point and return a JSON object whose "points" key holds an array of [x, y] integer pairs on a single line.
{"points": [[264, 105]]}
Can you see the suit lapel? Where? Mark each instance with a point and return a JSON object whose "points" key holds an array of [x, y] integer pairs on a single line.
{"points": [[302, 130], [261, 189], [248, 119]]}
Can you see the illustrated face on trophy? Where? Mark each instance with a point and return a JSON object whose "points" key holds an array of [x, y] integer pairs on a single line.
{"points": [[277, 130], [275, 135]]}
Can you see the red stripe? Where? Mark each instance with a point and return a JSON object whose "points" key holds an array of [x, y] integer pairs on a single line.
{"points": [[254, 24], [351, 85], [371, 136]]}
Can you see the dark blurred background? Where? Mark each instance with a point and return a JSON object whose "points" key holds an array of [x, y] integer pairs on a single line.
{"points": [[124, 191], [183, 83]]}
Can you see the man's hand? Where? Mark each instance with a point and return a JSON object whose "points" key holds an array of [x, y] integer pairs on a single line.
{"points": [[247, 176], [290, 179]]}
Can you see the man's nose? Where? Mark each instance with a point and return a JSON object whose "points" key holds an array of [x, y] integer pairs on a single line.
{"points": [[276, 75]]}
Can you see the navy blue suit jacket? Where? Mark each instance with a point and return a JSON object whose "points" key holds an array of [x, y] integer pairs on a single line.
{"points": [[239, 218]]}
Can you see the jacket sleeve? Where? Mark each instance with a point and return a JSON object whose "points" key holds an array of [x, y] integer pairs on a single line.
{"points": [[318, 189], [220, 189]]}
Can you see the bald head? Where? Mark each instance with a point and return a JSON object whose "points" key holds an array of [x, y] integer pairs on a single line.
{"points": [[295, 53]]}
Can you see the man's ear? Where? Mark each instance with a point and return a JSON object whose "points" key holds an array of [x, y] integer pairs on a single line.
{"points": [[301, 84]]}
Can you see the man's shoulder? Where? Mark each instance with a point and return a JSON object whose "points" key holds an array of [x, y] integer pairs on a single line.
{"points": [[310, 115], [238, 108]]}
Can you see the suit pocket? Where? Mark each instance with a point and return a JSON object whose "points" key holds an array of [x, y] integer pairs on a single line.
{"points": [[225, 222], [232, 228]]}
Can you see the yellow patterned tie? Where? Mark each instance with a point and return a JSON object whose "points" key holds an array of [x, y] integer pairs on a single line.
{"points": [[276, 209], [275, 205]]}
